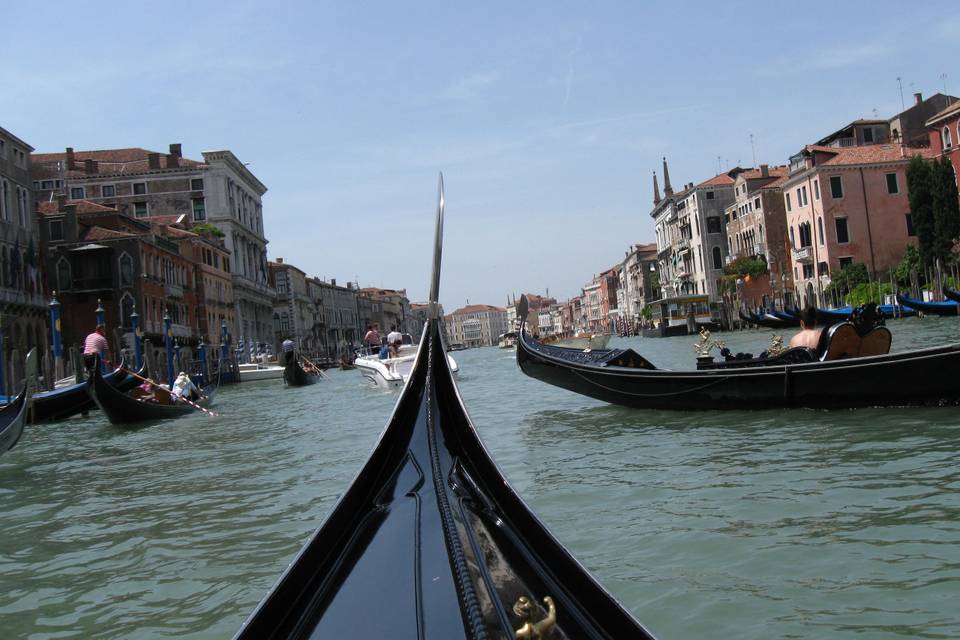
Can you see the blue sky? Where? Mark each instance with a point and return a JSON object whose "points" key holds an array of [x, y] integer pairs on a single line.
{"points": [[546, 118]]}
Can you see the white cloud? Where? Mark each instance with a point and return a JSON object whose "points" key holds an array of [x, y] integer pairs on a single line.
{"points": [[470, 87]]}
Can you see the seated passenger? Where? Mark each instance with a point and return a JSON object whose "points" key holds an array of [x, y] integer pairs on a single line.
{"points": [[809, 335], [384, 352], [183, 387]]}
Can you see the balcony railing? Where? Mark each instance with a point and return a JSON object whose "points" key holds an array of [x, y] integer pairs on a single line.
{"points": [[173, 290], [803, 255], [683, 245]]}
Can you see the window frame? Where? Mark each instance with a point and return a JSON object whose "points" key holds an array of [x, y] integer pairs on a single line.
{"points": [[896, 183], [81, 190], [833, 191], [846, 228]]}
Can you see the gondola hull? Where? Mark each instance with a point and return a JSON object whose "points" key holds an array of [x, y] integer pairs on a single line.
{"points": [[924, 377], [14, 415], [295, 376], [122, 408], [60, 404], [946, 308]]}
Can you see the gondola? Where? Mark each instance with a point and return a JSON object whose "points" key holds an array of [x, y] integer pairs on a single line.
{"points": [[945, 308], [769, 321], [430, 541], [122, 408], [294, 375], [67, 402], [14, 415], [624, 377], [950, 294]]}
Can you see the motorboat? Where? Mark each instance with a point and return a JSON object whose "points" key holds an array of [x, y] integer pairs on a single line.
{"points": [[257, 371], [393, 373], [507, 340]]}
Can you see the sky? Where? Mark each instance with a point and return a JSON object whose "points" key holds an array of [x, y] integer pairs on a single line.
{"points": [[547, 119]]}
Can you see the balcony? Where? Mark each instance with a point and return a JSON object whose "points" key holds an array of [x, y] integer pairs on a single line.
{"points": [[803, 256], [173, 290], [12, 296], [683, 246]]}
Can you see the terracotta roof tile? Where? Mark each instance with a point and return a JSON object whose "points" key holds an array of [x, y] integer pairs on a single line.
{"points": [[776, 184], [111, 161], [476, 308], [773, 172], [83, 207], [875, 154], [99, 233], [721, 180]]}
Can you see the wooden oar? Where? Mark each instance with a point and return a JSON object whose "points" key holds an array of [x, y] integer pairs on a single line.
{"points": [[192, 404], [315, 367]]}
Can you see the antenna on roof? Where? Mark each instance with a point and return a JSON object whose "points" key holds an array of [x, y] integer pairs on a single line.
{"points": [[900, 84], [753, 148], [943, 76]]}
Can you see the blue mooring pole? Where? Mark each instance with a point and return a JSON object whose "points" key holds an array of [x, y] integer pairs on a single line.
{"points": [[137, 338], [202, 352], [101, 322]]}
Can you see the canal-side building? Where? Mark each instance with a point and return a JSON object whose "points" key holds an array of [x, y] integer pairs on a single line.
{"points": [[847, 205], [637, 276], [476, 325], [97, 255], [218, 190], [943, 131], [23, 309], [337, 324], [212, 278], [388, 308], [293, 310]]}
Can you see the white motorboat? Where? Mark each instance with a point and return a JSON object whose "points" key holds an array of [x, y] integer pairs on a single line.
{"points": [[255, 372], [507, 340], [392, 373]]}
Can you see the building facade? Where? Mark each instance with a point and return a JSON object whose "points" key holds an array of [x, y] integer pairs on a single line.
{"points": [[294, 309], [477, 325], [943, 133], [218, 190], [23, 305]]}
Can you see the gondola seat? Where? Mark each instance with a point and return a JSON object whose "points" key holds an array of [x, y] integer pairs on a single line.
{"points": [[795, 355], [843, 341]]}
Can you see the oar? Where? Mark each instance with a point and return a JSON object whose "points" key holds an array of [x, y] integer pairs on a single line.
{"points": [[189, 402], [315, 367]]}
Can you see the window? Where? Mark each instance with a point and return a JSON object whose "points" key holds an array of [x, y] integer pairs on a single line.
{"points": [[947, 140], [823, 269], [46, 184], [787, 196], [709, 195], [843, 234], [820, 230], [140, 209], [836, 186], [793, 240], [803, 190], [126, 270], [910, 230], [199, 209], [108, 191], [56, 230], [816, 189], [196, 184], [808, 271], [77, 193], [806, 237], [139, 188], [756, 203], [63, 275], [845, 262], [799, 199], [868, 135], [717, 258], [892, 185], [713, 224]]}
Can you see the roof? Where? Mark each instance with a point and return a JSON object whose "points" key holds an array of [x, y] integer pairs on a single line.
{"points": [[374, 291], [871, 154], [476, 308], [721, 180], [112, 161], [776, 184], [99, 233], [83, 207], [15, 139], [772, 172], [953, 109]]}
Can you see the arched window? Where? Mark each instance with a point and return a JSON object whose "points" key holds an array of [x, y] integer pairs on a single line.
{"points": [[126, 308], [63, 274], [947, 140], [5, 270], [717, 258]]}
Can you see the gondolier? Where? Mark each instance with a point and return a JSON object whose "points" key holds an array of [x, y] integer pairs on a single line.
{"points": [[286, 348], [96, 344]]}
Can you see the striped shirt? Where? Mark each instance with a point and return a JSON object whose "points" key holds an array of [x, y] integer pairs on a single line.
{"points": [[95, 343]]}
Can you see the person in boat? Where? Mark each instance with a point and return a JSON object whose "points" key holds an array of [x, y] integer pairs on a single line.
{"points": [[96, 344], [394, 345], [809, 334], [394, 335], [144, 393], [372, 338], [384, 352], [183, 387], [286, 348]]}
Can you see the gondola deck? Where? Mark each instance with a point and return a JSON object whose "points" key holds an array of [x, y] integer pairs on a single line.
{"points": [[122, 409]]}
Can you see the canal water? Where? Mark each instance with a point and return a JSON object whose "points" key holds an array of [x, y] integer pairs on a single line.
{"points": [[770, 524]]}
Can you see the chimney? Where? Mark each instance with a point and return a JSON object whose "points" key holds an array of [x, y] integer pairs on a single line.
{"points": [[279, 260], [172, 161], [333, 282], [656, 190], [764, 171], [90, 166], [918, 97], [61, 202], [667, 189], [153, 160], [175, 150], [70, 159]]}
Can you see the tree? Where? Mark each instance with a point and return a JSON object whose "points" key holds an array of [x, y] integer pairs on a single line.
{"points": [[207, 229], [945, 206], [910, 263], [920, 189], [746, 266]]}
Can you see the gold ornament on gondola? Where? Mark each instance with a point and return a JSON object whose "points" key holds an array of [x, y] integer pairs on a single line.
{"points": [[703, 346], [776, 346], [524, 609]]}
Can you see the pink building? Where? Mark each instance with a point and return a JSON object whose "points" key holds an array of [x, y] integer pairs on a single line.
{"points": [[944, 130], [846, 205]]}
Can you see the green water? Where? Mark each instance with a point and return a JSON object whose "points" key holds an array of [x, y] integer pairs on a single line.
{"points": [[774, 524]]}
